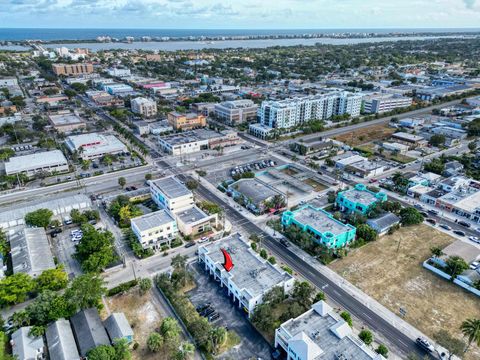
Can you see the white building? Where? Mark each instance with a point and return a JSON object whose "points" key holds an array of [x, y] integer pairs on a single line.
{"points": [[236, 112], [384, 103], [118, 89], [8, 81], [260, 130], [182, 143], [143, 106], [154, 229], [251, 276], [93, 145], [291, 112], [119, 72], [194, 221], [320, 334], [169, 194], [42, 162]]}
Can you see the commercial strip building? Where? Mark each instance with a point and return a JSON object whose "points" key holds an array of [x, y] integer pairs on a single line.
{"points": [[118, 89], [410, 140], [42, 162], [72, 69], [102, 98], [30, 252], [292, 112], [154, 229], [358, 165], [251, 276], [66, 122], [377, 104], [94, 145], [320, 334], [188, 121], [14, 215], [143, 106], [359, 199], [183, 143], [254, 194], [169, 194], [236, 112], [321, 225]]}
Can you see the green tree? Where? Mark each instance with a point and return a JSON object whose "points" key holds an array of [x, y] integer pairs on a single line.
{"points": [[382, 350], [303, 293], [169, 328], [436, 251], [437, 140], [145, 285], [155, 342], [263, 253], [102, 352], [48, 306], [148, 176], [122, 349], [366, 232], [191, 184], [52, 279], [15, 288], [471, 330], [122, 182], [272, 260], [472, 146], [455, 266], [347, 317], [320, 296], [410, 216], [218, 337], [95, 250], [85, 291], [185, 351], [39, 218], [366, 336]]}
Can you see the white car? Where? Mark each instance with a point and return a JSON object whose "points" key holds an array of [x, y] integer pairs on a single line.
{"points": [[203, 239], [474, 239], [474, 265]]}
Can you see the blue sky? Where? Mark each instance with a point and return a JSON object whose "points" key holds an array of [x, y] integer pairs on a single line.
{"points": [[277, 14]]}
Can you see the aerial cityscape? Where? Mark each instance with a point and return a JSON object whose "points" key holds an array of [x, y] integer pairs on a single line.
{"points": [[295, 180]]}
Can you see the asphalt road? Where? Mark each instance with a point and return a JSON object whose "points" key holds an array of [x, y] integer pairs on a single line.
{"points": [[403, 343]]}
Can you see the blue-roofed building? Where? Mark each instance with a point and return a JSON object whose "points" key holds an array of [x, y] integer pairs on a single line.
{"points": [[359, 199], [325, 229]]}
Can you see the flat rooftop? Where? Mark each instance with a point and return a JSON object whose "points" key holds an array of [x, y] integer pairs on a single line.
{"points": [[363, 197], [407, 136], [322, 332], [254, 189], [65, 119], [38, 160], [181, 138], [171, 187], [152, 220], [319, 220], [250, 272], [192, 215]]}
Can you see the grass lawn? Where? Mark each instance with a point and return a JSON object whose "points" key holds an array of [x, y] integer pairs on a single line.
{"points": [[317, 187], [366, 134], [397, 279], [142, 315]]}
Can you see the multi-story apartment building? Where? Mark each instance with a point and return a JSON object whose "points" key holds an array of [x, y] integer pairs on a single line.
{"points": [[236, 112], [186, 121], [251, 276], [291, 112], [169, 194], [143, 106], [72, 69], [154, 229], [384, 103]]}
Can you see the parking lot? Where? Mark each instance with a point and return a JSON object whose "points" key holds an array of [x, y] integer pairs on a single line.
{"points": [[208, 291], [64, 249]]}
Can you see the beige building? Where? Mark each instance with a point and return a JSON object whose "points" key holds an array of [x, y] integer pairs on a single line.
{"points": [[194, 221], [143, 106], [236, 112], [72, 69], [66, 122], [186, 121]]}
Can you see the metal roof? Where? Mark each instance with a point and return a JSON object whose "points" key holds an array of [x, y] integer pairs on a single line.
{"points": [[60, 341]]}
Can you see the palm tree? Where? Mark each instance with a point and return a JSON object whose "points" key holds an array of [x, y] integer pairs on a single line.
{"points": [[436, 251], [471, 329], [185, 351]]}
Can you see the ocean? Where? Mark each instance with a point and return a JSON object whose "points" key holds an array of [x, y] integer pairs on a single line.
{"points": [[19, 34]]}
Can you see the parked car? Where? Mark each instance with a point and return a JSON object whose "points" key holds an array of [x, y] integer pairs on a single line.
{"points": [[475, 239], [203, 239], [474, 265], [418, 206], [425, 344], [433, 212], [445, 226], [190, 244], [214, 317], [459, 232], [464, 223], [431, 221]]}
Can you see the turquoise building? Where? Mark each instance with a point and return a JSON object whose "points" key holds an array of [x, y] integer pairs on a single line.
{"points": [[325, 229], [359, 199]]}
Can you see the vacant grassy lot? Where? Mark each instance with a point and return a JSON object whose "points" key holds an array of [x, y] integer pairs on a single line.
{"points": [[142, 315], [397, 279], [366, 134], [317, 187]]}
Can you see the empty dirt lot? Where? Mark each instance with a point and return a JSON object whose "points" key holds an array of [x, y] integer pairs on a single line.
{"points": [[397, 279], [366, 134]]}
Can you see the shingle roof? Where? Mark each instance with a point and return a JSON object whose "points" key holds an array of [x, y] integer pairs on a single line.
{"points": [[89, 331], [60, 341]]}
